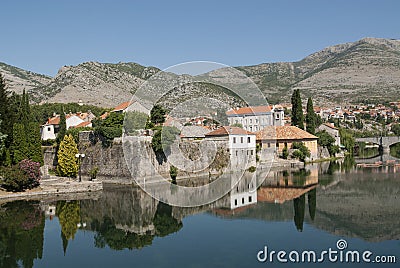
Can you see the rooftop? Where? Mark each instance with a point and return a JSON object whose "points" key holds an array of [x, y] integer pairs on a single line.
{"points": [[283, 133], [228, 130], [249, 110]]}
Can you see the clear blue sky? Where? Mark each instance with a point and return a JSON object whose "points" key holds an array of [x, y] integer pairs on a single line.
{"points": [[42, 36]]}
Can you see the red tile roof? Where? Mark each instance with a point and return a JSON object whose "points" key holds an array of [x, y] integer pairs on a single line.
{"points": [[283, 133], [122, 106], [249, 110], [227, 130], [83, 124], [54, 120]]}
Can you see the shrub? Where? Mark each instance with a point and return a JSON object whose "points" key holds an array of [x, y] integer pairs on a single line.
{"points": [[252, 169], [93, 173], [173, 172], [20, 177]]}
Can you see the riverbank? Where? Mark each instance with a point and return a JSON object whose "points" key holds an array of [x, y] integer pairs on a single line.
{"points": [[54, 186]]}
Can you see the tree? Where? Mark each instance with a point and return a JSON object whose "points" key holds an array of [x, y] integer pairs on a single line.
{"points": [[62, 128], [301, 151], [285, 152], [299, 205], [19, 144], [326, 140], [134, 121], [347, 139], [34, 142], [2, 141], [311, 117], [109, 128], [6, 112], [312, 202], [157, 114], [67, 162], [297, 110], [396, 129]]}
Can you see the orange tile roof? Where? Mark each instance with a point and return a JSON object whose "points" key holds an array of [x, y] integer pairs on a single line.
{"points": [[283, 133], [226, 130], [249, 110], [54, 120], [83, 124], [104, 116], [123, 106], [331, 125]]}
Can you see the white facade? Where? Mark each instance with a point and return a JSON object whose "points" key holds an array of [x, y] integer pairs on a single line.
{"points": [[47, 132], [242, 150], [332, 131], [73, 121], [255, 119]]}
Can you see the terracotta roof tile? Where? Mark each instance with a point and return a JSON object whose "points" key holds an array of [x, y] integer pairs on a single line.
{"points": [[123, 106], [226, 130], [54, 120], [249, 110], [283, 133]]}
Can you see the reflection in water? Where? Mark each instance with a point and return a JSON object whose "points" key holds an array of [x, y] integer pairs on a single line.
{"points": [[21, 233], [359, 204]]}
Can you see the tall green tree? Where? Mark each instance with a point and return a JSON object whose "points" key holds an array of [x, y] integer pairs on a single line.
{"points": [[157, 114], [6, 112], [34, 142], [19, 146], [297, 110], [67, 162], [311, 117], [62, 128]]}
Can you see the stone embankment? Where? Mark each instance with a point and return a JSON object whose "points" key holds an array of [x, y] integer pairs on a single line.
{"points": [[54, 186]]}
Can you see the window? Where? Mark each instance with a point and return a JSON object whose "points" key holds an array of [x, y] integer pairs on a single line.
{"points": [[250, 199], [248, 139], [235, 202], [251, 152], [234, 139], [241, 138], [49, 129], [242, 200], [269, 145], [236, 153], [251, 121]]}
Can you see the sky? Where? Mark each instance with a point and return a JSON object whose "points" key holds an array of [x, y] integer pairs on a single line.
{"points": [[44, 35]]}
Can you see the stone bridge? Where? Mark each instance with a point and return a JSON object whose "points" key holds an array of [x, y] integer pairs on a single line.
{"points": [[384, 142]]}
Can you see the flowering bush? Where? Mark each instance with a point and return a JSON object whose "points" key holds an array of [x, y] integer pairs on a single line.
{"points": [[20, 177], [32, 170]]}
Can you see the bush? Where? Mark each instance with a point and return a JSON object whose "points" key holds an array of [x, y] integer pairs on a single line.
{"points": [[173, 172], [252, 169], [20, 177], [285, 152], [93, 173], [301, 152]]}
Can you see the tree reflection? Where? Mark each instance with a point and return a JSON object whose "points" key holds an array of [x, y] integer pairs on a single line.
{"points": [[299, 208], [312, 202], [68, 213], [164, 222], [21, 234]]}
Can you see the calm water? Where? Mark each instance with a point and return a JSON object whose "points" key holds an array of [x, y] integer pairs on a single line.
{"points": [[123, 227]]}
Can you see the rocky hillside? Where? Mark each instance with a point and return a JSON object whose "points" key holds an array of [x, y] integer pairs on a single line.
{"points": [[366, 69], [17, 79]]}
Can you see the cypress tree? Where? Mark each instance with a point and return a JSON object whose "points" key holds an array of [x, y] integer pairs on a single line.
{"points": [[311, 117], [34, 142], [6, 113], [62, 128], [297, 110], [19, 144], [67, 162]]}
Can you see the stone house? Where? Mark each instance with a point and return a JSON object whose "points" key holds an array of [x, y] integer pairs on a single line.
{"points": [[255, 118], [332, 131], [277, 137]]}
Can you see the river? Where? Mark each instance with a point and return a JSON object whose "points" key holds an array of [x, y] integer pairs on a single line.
{"points": [[292, 212]]}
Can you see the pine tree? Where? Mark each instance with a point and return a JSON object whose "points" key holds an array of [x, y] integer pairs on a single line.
{"points": [[297, 110], [34, 142], [311, 117], [67, 162], [19, 145]]}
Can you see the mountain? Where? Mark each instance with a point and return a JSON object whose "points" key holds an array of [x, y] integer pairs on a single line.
{"points": [[17, 79], [368, 69]]}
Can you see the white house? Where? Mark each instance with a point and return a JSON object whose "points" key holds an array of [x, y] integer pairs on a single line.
{"points": [[50, 129], [332, 131], [241, 144], [255, 118]]}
